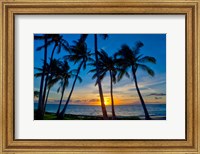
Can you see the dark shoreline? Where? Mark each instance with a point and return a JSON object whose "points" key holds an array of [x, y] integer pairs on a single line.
{"points": [[52, 116]]}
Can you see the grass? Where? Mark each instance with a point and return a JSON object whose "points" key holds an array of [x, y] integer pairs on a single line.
{"points": [[52, 116]]}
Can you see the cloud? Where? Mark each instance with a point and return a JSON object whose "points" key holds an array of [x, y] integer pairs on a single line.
{"points": [[133, 89], [84, 101], [158, 97], [157, 94], [77, 101], [93, 100]]}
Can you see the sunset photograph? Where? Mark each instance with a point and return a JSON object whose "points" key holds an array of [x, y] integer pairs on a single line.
{"points": [[99, 77]]}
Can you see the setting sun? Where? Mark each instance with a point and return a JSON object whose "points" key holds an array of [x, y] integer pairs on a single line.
{"points": [[107, 101]]}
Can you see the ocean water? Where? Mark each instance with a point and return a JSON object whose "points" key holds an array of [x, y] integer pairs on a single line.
{"points": [[121, 110]]}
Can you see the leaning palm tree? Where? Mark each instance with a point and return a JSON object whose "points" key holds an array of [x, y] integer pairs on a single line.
{"points": [[78, 54], [58, 42], [64, 75], [105, 36], [131, 58], [107, 64], [48, 40], [53, 76], [51, 83]]}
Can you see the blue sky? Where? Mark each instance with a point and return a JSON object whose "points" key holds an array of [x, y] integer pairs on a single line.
{"points": [[153, 89]]}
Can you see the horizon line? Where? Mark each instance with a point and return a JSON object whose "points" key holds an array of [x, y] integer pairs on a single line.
{"points": [[108, 105]]}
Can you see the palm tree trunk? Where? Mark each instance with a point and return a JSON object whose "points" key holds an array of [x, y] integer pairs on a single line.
{"points": [[147, 117], [105, 116], [62, 113], [45, 104], [111, 95], [63, 89], [40, 115], [47, 77]]}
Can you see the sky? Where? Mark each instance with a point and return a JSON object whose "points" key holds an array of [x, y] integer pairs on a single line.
{"points": [[153, 89]]}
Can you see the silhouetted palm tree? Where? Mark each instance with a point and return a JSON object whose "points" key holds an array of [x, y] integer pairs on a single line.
{"points": [[59, 42], [105, 36], [131, 58], [107, 64], [40, 103], [53, 76], [51, 83], [78, 54], [64, 76]]}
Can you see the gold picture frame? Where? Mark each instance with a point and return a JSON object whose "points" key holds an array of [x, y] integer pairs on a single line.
{"points": [[9, 8]]}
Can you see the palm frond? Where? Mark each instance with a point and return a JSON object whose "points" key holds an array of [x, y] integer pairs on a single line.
{"points": [[79, 79], [127, 74], [38, 74], [83, 37], [139, 44], [147, 59], [91, 59], [94, 76], [101, 77], [147, 69], [41, 47], [114, 73], [38, 69], [84, 65], [59, 48], [58, 90], [64, 45], [66, 83], [92, 70], [52, 82]]}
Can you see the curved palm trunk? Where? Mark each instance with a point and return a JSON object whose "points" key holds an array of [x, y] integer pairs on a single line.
{"points": [[63, 89], [47, 77], [105, 116], [40, 114], [62, 113], [111, 95], [45, 104], [147, 117]]}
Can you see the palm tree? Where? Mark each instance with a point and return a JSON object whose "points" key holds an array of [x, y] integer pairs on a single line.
{"points": [[78, 54], [105, 36], [131, 58], [53, 77], [64, 76], [58, 42], [107, 64], [39, 115], [51, 83]]}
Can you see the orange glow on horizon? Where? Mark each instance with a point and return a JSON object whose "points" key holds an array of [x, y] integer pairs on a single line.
{"points": [[107, 101]]}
